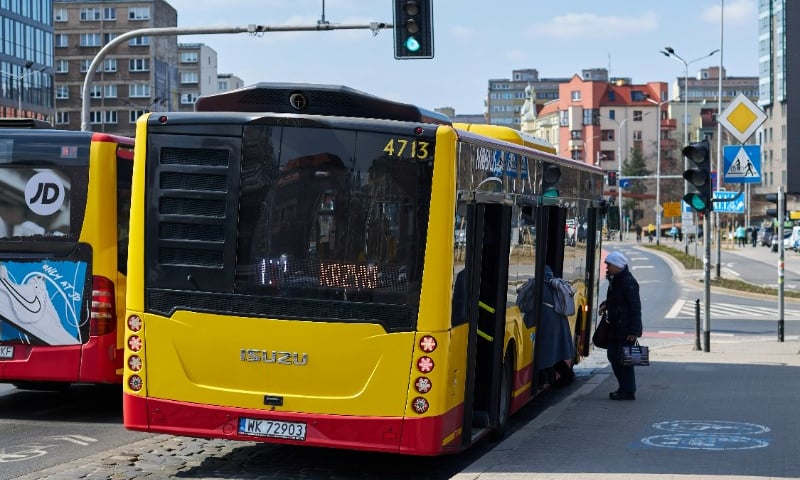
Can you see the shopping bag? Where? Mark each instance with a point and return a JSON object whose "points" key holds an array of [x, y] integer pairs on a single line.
{"points": [[601, 333], [636, 355]]}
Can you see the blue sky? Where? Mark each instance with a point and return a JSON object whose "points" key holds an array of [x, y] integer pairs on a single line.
{"points": [[475, 43]]}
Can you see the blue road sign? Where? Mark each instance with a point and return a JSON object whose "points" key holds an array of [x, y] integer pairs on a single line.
{"points": [[624, 183], [728, 202], [742, 164]]}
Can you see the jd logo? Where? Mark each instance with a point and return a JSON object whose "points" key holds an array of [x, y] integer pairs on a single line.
{"points": [[44, 193]]}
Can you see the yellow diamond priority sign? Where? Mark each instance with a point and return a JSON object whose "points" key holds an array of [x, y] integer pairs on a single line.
{"points": [[742, 117]]}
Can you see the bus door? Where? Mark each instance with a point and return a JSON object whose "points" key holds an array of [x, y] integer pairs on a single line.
{"points": [[594, 222], [488, 232]]}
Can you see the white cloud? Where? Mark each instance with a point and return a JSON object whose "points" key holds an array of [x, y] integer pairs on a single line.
{"points": [[589, 25]]}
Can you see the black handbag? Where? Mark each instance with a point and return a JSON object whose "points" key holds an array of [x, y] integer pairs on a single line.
{"points": [[636, 355], [602, 332]]}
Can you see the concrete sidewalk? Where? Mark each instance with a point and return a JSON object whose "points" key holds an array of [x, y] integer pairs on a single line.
{"points": [[727, 413]]}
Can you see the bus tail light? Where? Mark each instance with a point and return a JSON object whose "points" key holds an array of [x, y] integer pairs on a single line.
{"points": [[103, 315]]}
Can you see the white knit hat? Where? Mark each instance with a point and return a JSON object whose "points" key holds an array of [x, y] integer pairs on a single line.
{"points": [[617, 259]]}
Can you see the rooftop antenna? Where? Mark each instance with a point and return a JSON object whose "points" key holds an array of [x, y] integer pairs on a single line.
{"points": [[322, 20]]}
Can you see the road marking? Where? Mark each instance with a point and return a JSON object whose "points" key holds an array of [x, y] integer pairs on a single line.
{"points": [[686, 309], [76, 439]]}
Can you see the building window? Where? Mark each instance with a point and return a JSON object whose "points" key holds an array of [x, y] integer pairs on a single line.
{"points": [[109, 13], [637, 135], [107, 37], [139, 42], [563, 118], [189, 57], [96, 91], [139, 13], [62, 66], [606, 135], [110, 116], [575, 134], [110, 91], [188, 98], [576, 95], [612, 95], [61, 40], [222, 86], [62, 118], [90, 14], [637, 115], [95, 117], [90, 40], [139, 65], [607, 155], [134, 115], [612, 114], [577, 155], [110, 65], [62, 92], [139, 90], [189, 77], [60, 15]]}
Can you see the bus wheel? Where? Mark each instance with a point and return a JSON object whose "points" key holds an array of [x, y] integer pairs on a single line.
{"points": [[504, 409]]}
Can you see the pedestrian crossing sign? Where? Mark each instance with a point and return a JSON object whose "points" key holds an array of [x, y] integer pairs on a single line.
{"points": [[742, 164]]}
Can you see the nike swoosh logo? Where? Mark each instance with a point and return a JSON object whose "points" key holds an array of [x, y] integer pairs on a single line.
{"points": [[33, 306]]}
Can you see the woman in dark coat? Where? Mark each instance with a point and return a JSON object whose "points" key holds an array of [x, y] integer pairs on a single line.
{"points": [[624, 308], [555, 348]]}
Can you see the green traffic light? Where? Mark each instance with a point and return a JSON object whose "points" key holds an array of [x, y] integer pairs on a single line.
{"points": [[698, 202], [412, 45]]}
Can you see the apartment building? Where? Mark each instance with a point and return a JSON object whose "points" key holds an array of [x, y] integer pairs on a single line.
{"points": [[197, 69], [228, 81], [26, 59], [505, 97], [779, 68], [137, 76]]}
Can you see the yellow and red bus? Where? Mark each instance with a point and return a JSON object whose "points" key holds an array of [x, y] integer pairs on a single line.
{"points": [[312, 265], [64, 215]]}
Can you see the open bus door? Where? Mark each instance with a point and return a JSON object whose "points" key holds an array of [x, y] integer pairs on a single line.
{"points": [[488, 232]]}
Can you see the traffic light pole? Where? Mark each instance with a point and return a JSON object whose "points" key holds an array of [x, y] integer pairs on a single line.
{"points": [[781, 216], [707, 284], [163, 31]]}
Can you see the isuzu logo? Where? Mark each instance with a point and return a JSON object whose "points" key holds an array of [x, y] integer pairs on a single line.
{"points": [[273, 356]]}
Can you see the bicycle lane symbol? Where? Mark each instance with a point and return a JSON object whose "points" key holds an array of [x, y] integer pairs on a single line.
{"points": [[708, 435], [21, 453]]}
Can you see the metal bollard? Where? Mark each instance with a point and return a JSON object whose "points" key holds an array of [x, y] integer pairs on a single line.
{"points": [[697, 324]]}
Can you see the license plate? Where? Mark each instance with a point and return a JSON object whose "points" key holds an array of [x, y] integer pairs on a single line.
{"points": [[272, 428], [6, 351]]}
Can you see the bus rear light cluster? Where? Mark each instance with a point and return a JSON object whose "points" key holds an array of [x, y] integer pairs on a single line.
{"points": [[103, 314], [425, 364], [135, 363], [135, 383]]}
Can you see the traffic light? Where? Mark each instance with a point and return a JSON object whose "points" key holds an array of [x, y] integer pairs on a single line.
{"points": [[698, 176], [611, 178], [413, 29], [773, 198], [551, 174]]}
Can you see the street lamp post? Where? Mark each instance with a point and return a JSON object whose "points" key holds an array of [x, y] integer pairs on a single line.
{"points": [[670, 52], [19, 78], [658, 169]]}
